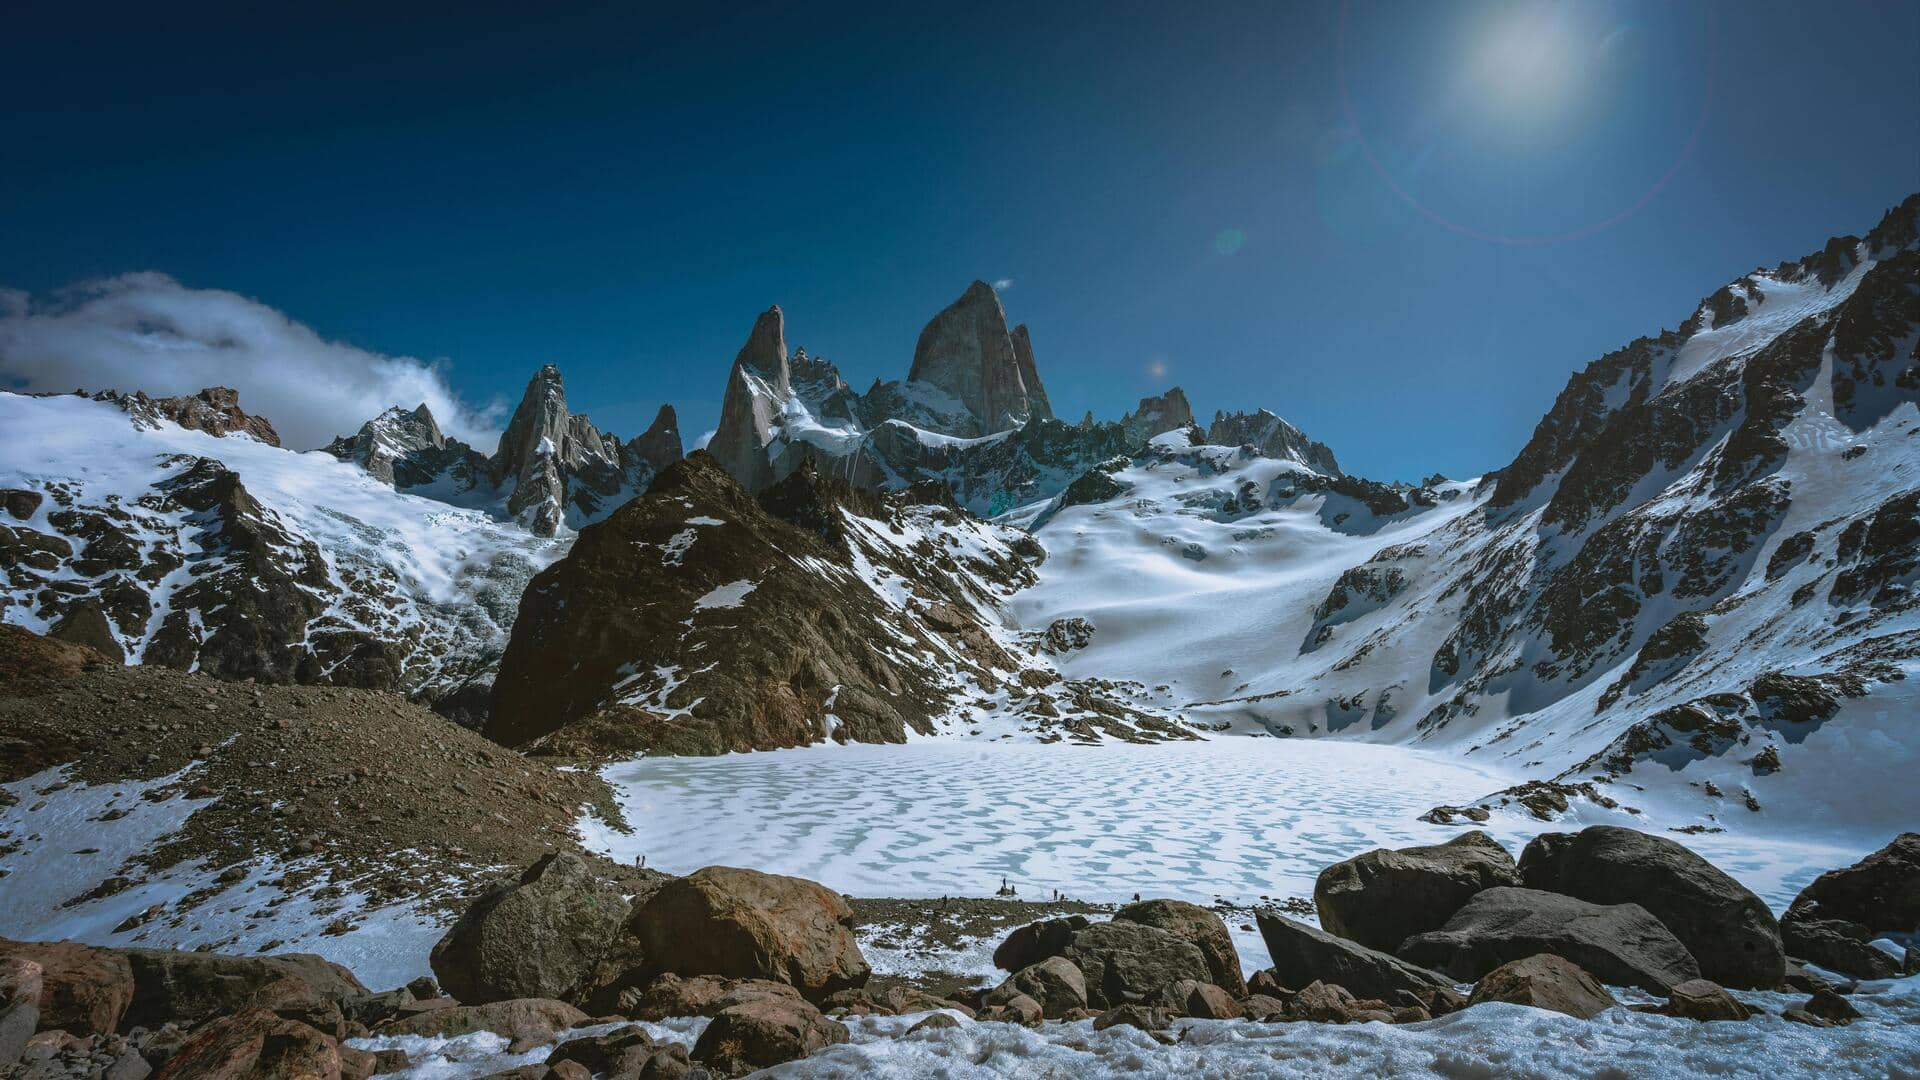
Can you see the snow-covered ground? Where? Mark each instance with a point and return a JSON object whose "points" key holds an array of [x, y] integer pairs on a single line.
{"points": [[1481, 1043], [1236, 818], [74, 839]]}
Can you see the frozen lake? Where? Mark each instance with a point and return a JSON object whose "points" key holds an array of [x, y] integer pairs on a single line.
{"points": [[1235, 818]]}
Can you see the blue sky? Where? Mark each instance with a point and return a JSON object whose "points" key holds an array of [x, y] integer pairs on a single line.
{"points": [[1190, 195]]}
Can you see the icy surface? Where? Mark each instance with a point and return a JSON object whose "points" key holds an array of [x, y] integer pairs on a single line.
{"points": [[1236, 818]]}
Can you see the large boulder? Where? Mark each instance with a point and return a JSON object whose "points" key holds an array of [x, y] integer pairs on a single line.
{"points": [[1056, 983], [1034, 942], [1384, 897], [189, 987], [1728, 929], [1303, 955], [1833, 919], [254, 1044], [537, 937], [1622, 944], [82, 989], [762, 1033], [1126, 963], [743, 924], [1545, 981], [1203, 928]]}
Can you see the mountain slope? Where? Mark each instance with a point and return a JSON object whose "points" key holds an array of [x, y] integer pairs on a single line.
{"points": [[242, 560], [1698, 577]]}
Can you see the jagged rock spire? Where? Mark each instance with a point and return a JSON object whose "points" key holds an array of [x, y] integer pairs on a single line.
{"points": [[968, 353], [529, 453], [757, 389], [1154, 415], [1040, 407], [660, 445]]}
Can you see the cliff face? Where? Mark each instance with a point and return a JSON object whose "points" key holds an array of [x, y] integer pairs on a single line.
{"points": [[968, 354]]}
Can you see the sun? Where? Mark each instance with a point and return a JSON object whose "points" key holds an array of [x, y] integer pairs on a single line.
{"points": [[1526, 63]]}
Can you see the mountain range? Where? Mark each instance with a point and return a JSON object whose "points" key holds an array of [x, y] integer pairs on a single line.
{"points": [[1693, 586]]}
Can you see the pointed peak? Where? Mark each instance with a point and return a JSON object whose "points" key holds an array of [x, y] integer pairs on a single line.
{"points": [[765, 353], [978, 289], [665, 418]]}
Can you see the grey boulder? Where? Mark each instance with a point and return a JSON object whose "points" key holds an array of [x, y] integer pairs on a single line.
{"points": [[1384, 897], [1621, 944]]}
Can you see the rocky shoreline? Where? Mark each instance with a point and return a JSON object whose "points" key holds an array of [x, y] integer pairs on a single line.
{"points": [[727, 971]]}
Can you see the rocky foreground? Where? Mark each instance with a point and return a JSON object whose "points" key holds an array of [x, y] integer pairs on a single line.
{"points": [[589, 972]]}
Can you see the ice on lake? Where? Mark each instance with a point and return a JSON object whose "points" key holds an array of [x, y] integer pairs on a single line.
{"points": [[1234, 818]]}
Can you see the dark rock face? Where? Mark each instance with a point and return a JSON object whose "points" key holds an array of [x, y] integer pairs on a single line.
{"points": [[1197, 925], [749, 410], [537, 937], [1834, 918], [1156, 415], [1383, 897], [1546, 981], [1619, 944], [1303, 954], [215, 410], [559, 469], [1727, 928], [408, 450], [782, 651], [1127, 963], [967, 353], [742, 924], [1273, 437]]}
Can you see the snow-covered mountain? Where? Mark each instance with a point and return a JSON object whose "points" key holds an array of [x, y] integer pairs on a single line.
{"points": [[225, 554], [1698, 575], [553, 471], [972, 413]]}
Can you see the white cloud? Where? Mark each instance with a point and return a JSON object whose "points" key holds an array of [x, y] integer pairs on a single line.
{"points": [[1003, 284], [149, 332], [705, 438]]}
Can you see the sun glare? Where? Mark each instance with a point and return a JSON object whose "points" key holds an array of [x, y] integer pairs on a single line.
{"points": [[1526, 63]]}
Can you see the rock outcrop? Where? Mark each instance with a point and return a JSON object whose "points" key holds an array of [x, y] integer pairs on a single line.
{"points": [[731, 649], [559, 470], [750, 409], [1155, 415], [1273, 437], [214, 410], [406, 448]]}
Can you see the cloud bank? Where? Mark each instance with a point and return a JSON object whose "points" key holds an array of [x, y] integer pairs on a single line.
{"points": [[149, 332]]}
